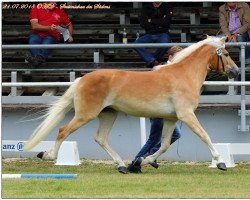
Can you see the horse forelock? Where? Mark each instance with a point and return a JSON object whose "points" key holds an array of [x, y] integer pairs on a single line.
{"points": [[213, 41]]}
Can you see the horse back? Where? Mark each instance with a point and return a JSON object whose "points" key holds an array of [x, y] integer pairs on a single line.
{"points": [[150, 93]]}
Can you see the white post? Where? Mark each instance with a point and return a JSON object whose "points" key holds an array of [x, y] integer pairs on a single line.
{"points": [[143, 130], [68, 153], [13, 80], [224, 151]]}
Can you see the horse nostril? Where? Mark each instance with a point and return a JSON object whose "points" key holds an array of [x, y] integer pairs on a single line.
{"points": [[233, 72], [236, 71]]}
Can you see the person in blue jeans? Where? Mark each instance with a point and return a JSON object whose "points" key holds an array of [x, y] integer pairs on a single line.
{"points": [[155, 19], [40, 55], [154, 141]]}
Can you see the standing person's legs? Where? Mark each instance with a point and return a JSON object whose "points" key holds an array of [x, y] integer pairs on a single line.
{"points": [[154, 137], [143, 52], [160, 52], [176, 135]]}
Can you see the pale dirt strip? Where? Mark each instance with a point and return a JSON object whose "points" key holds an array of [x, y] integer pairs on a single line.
{"points": [[111, 162]]}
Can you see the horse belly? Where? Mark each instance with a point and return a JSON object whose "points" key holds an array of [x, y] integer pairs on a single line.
{"points": [[146, 109]]}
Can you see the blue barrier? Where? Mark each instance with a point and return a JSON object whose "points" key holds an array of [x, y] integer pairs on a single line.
{"points": [[58, 176]]}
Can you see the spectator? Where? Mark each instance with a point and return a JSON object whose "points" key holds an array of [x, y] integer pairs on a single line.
{"points": [[154, 141], [235, 23], [45, 21], [155, 19]]}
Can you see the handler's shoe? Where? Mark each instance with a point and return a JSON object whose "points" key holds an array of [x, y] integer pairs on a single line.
{"points": [[138, 161], [135, 166], [134, 169]]}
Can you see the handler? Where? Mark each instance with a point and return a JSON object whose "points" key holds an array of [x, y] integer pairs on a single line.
{"points": [[154, 141]]}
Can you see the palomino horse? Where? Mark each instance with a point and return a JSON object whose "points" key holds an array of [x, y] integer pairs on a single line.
{"points": [[171, 92]]}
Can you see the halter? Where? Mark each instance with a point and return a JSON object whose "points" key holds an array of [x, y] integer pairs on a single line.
{"points": [[219, 53]]}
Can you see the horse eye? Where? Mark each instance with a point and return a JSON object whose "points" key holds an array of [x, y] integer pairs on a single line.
{"points": [[226, 54]]}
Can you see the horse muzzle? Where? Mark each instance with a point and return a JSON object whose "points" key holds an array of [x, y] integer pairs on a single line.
{"points": [[233, 72]]}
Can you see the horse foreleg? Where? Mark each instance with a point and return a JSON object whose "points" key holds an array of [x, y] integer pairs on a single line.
{"points": [[167, 132], [63, 133], [191, 120], [106, 121]]}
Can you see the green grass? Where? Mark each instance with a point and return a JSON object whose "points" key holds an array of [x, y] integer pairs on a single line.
{"points": [[100, 180]]}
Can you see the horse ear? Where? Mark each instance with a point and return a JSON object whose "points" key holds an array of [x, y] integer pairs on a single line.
{"points": [[223, 39]]}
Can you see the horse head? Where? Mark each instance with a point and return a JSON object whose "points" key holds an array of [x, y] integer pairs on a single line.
{"points": [[222, 62]]}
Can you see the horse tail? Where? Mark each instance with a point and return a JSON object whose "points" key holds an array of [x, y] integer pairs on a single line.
{"points": [[55, 114]]}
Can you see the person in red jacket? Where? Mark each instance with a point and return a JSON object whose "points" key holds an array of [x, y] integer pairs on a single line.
{"points": [[46, 20]]}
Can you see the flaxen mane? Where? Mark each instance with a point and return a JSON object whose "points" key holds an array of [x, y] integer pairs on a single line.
{"points": [[214, 41]]}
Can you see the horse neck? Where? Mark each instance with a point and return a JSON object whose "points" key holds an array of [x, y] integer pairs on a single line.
{"points": [[195, 66]]}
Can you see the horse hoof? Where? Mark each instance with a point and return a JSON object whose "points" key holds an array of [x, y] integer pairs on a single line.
{"points": [[40, 155], [222, 166], [123, 170]]}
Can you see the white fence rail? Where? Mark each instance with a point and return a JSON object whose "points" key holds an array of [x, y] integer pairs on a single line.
{"points": [[57, 84]]}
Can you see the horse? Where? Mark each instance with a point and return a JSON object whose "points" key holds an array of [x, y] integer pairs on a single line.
{"points": [[170, 92]]}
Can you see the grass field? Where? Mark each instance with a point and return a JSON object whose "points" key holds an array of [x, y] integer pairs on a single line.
{"points": [[102, 180]]}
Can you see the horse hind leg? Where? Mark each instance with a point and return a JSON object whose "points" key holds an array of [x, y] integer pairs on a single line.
{"points": [[191, 120], [106, 121], [63, 133]]}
